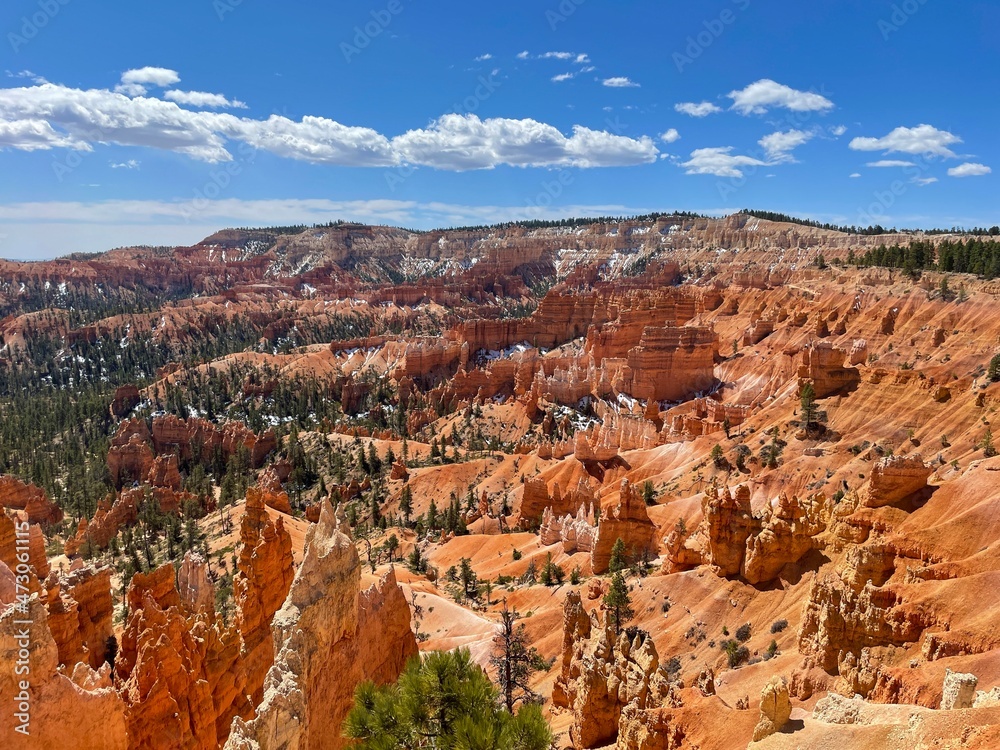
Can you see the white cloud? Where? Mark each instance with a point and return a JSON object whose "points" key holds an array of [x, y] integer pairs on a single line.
{"points": [[855, 175], [135, 82], [523, 55], [203, 99], [130, 164], [462, 142], [779, 146], [484, 58], [890, 164], [719, 162], [969, 170], [838, 131], [701, 109], [51, 116], [582, 60], [670, 136], [130, 89], [620, 82], [923, 139], [563, 77], [36, 135], [759, 97], [922, 181], [556, 56]]}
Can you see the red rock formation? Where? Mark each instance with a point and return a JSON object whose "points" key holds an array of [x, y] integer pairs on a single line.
{"points": [[669, 364], [17, 495], [18, 537], [788, 532], [168, 666], [80, 611], [328, 638], [260, 586], [126, 398], [171, 433], [576, 534], [840, 620], [165, 472], [823, 366], [624, 518], [129, 457], [895, 478], [603, 674], [75, 708], [730, 523]]}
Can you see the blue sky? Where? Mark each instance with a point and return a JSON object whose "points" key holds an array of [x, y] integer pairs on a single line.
{"points": [[156, 123]]}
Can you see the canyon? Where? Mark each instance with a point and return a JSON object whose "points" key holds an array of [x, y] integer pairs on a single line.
{"points": [[348, 446]]}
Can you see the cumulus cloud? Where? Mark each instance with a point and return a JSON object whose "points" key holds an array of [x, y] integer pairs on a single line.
{"points": [[765, 94], [838, 130], [700, 109], [36, 135], [969, 169], [890, 163], [203, 99], [130, 164], [620, 82], [923, 139], [670, 136], [484, 58], [134, 82], [720, 162], [462, 142], [779, 146], [51, 116], [563, 77]]}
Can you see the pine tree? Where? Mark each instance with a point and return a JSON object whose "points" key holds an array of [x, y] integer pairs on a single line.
{"points": [[442, 701], [808, 402], [619, 559], [512, 660], [618, 603]]}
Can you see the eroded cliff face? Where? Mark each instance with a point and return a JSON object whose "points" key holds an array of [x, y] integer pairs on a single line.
{"points": [[182, 673], [602, 673], [77, 707], [623, 517], [329, 636]]}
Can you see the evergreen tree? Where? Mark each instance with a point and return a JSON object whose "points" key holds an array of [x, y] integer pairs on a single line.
{"points": [[618, 603], [619, 559], [808, 402], [444, 701], [513, 661]]}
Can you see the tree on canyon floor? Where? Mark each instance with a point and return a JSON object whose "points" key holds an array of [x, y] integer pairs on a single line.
{"points": [[442, 701], [618, 603], [514, 661]]}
